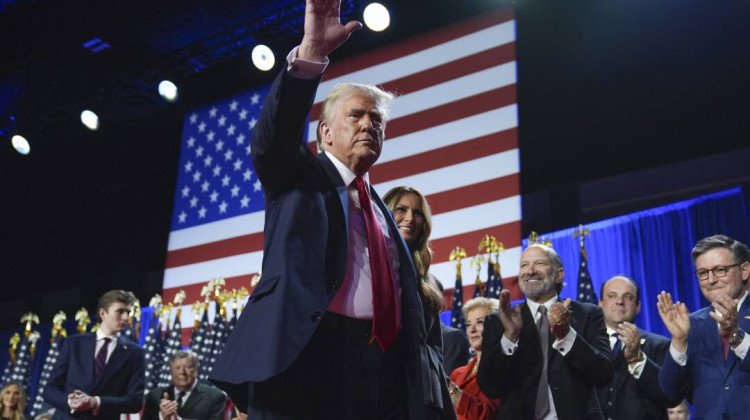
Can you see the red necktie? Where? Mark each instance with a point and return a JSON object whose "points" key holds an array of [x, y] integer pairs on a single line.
{"points": [[384, 320], [101, 358], [725, 347]]}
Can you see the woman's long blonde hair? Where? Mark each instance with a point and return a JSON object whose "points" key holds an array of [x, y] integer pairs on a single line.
{"points": [[18, 411], [420, 250]]}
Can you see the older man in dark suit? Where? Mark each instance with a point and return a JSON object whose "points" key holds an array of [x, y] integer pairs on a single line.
{"points": [[634, 393], [99, 375], [186, 398], [544, 358], [335, 329]]}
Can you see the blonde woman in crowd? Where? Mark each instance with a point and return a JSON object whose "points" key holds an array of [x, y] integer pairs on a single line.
{"points": [[13, 401], [468, 399]]}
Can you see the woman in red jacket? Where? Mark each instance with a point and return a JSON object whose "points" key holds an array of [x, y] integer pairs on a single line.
{"points": [[469, 401]]}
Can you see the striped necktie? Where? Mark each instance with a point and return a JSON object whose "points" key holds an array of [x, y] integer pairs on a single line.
{"points": [[101, 358]]}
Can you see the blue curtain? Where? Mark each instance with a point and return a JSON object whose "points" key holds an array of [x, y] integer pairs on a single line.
{"points": [[653, 248]]}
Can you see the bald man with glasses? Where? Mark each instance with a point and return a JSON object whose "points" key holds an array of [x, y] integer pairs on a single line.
{"points": [[707, 361]]}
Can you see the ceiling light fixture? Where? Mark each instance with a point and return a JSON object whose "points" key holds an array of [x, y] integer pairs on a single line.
{"points": [[263, 57]]}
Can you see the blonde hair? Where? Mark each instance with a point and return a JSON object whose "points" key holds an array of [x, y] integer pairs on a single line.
{"points": [[381, 98], [490, 304], [420, 251], [18, 411]]}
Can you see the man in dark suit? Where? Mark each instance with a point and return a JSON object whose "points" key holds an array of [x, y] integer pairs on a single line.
{"points": [[336, 328], [544, 358], [99, 375], [707, 361], [634, 393], [185, 399]]}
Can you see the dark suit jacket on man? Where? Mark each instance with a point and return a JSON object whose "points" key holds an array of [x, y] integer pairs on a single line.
{"points": [[628, 398], [573, 378], [204, 403], [718, 389], [304, 262], [119, 387], [455, 348]]}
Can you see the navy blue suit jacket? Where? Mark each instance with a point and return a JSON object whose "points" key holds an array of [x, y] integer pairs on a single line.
{"points": [[628, 398], [573, 378], [304, 262], [119, 387], [715, 387]]}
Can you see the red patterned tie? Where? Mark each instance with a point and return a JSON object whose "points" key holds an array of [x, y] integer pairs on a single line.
{"points": [[725, 346], [384, 320], [101, 358]]}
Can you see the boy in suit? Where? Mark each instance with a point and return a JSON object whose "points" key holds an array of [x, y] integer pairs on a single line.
{"points": [[99, 375]]}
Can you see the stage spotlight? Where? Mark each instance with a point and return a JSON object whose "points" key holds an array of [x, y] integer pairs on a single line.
{"points": [[90, 119], [168, 90], [376, 17], [20, 144], [263, 57]]}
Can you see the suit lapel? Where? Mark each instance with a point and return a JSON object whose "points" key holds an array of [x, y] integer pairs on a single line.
{"points": [[114, 360], [338, 217], [193, 399], [88, 344], [743, 321], [709, 333]]}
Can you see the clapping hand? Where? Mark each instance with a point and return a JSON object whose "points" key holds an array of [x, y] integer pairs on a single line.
{"points": [[80, 401], [168, 408], [725, 313], [510, 317], [676, 318], [559, 319], [631, 341]]}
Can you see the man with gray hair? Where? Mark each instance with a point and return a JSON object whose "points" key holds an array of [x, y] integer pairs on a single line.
{"points": [[335, 329], [545, 357], [707, 361], [185, 399]]}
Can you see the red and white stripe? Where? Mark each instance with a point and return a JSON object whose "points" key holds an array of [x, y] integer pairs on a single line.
{"points": [[452, 134]]}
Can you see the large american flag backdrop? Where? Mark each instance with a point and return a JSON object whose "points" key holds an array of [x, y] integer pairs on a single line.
{"points": [[453, 134]]}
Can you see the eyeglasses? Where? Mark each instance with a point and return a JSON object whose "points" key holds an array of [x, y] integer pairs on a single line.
{"points": [[719, 271]]}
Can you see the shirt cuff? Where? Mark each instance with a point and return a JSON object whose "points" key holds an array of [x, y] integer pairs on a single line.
{"points": [[637, 369], [508, 346], [97, 405], [564, 345], [304, 69], [678, 357], [741, 350]]}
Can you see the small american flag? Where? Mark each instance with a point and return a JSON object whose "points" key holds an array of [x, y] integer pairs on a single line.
{"points": [[173, 342], [457, 316], [39, 403], [220, 334], [494, 281], [586, 292], [201, 343], [154, 348]]}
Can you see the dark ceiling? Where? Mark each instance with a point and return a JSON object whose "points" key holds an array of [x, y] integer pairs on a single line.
{"points": [[605, 88]]}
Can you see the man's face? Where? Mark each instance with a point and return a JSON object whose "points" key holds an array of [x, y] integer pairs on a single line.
{"points": [[355, 133], [619, 302], [184, 373], [536, 277], [115, 318], [731, 285], [680, 412]]}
